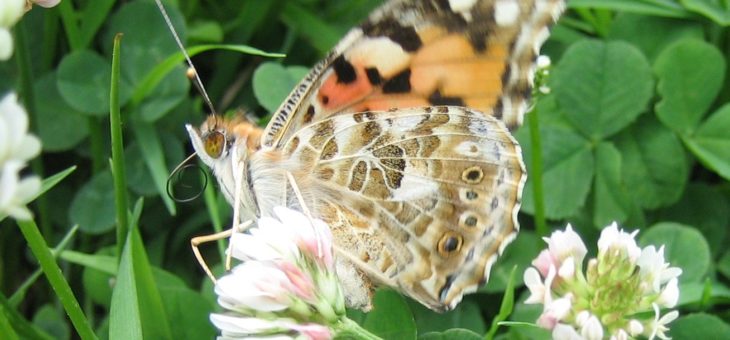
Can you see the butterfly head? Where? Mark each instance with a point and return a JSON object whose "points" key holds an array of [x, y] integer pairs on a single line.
{"points": [[212, 141]]}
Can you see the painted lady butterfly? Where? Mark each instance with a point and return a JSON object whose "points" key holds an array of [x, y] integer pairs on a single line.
{"points": [[400, 140]]}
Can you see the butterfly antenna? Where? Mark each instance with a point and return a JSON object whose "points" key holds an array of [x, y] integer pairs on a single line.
{"points": [[195, 78]]}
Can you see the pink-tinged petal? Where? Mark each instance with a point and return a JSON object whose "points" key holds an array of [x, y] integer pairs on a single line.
{"points": [[253, 285], [555, 311], [302, 283], [46, 3], [314, 331], [544, 261]]}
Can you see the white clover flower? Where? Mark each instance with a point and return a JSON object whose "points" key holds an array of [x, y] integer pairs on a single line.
{"points": [[10, 12], [659, 325], [16, 148], [6, 44], [286, 283], [562, 246], [543, 61], [236, 327], [654, 269], [15, 142], [15, 193], [565, 332], [539, 292], [592, 329], [618, 240], [621, 282]]}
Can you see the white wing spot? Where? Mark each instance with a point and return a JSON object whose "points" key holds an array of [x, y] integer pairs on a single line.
{"points": [[469, 149], [506, 12]]}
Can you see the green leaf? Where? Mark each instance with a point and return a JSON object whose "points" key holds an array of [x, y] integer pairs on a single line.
{"points": [[466, 315], [185, 306], [566, 155], [690, 76], [665, 8], [641, 31], [168, 93], [711, 142], [83, 80], [699, 326], [137, 310], [93, 206], [505, 309], [390, 318], [527, 314], [154, 157], [451, 334], [611, 201], [52, 321], [147, 39], [94, 14], [653, 179], [602, 87], [716, 10], [321, 34], [679, 241], [272, 83], [60, 127], [206, 31], [707, 209]]}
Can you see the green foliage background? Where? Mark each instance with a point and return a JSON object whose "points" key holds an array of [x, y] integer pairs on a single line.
{"points": [[636, 129]]}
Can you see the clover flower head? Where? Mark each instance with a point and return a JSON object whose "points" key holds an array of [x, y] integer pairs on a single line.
{"points": [[602, 300], [286, 283]]}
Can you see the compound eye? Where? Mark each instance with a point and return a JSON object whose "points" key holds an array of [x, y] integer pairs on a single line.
{"points": [[214, 142]]}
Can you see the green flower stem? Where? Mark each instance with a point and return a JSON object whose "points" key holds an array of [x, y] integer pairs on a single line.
{"points": [[348, 329], [70, 25], [118, 172], [536, 173], [53, 273]]}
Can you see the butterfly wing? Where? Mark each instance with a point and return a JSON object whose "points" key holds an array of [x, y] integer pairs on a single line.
{"points": [[422, 199], [477, 54]]}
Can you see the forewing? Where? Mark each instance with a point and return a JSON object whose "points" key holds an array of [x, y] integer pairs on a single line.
{"points": [[478, 54]]}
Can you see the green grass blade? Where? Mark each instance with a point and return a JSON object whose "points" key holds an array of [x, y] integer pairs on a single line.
{"points": [[48, 183], [120, 177], [508, 303], [19, 294], [50, 268], [137, 311], [19, 324], [154, 159]]}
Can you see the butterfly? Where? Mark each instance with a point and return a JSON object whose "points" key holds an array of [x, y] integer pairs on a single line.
{"points": [[400, 140]]}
